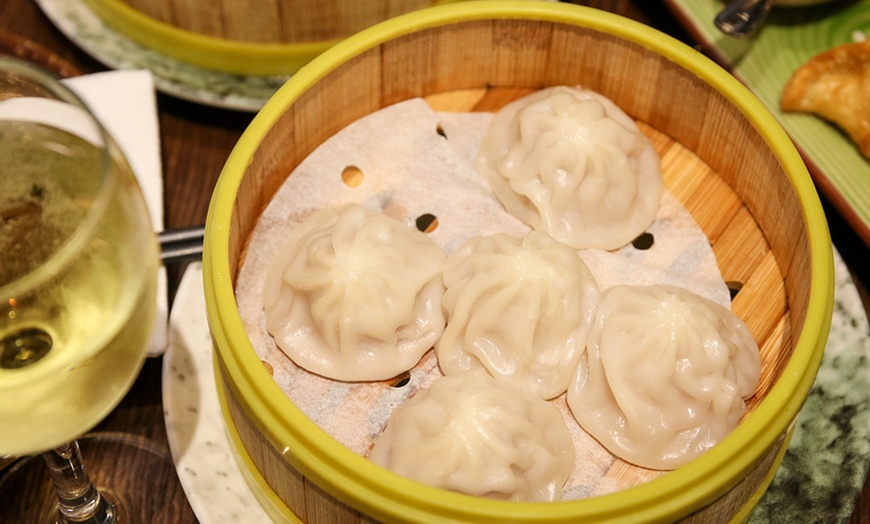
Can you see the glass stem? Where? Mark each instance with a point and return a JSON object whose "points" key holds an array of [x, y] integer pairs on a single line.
{"points": [[78, 499]]}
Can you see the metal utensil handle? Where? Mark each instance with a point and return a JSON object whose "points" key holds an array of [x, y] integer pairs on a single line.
{"points": [[742, 17], [181, 244]]}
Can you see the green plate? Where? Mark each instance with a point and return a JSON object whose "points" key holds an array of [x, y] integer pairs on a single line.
{"points": [[765, 62]]}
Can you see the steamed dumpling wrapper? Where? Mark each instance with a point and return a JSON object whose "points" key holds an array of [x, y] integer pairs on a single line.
{"points": [[355, 295], [664, 376], [520, 308], [570, 162], [471, 434]]}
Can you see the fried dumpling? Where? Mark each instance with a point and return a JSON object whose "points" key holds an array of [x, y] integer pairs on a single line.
{"points": [[835, 85]]}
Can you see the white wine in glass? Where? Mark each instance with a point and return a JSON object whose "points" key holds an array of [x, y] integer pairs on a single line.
{"points": [[78, 266]]}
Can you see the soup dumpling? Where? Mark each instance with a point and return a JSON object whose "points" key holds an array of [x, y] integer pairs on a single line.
{"points": [[520, 308], [355, 295], [471, 434], [570, 162], [665, 375]]}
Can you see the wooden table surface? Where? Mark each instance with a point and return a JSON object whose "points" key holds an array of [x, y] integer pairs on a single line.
{"points": [[195, 142]]}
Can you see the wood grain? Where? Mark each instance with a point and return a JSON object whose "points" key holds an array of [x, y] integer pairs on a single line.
{"points": [[273, 21]]}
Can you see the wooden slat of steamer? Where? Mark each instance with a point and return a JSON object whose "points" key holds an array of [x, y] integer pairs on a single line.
{"points": [[157, 9], [740, 247], [262, 21], [204, 17], [247, 21], [274, 21], [201, 17]]}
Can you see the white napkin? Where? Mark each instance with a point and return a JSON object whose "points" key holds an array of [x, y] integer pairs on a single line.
{"points": [[125, 103]]}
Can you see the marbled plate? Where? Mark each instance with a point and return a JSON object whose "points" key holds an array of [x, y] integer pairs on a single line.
{"points": [[819, 480], [198, 438], [171, 76]]}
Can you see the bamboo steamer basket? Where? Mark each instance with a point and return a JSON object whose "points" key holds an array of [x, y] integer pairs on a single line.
{"points": [[248, 37], [724, 156]]}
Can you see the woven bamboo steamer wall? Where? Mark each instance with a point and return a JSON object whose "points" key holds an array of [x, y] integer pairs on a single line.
{"points": [[275, 21], [250, 37], [724, 156]]}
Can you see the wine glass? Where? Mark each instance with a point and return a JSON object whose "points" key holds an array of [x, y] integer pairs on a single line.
{"points": [[78, 269]]}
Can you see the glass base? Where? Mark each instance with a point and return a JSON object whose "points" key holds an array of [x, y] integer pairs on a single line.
{"points": [[137, 475]]}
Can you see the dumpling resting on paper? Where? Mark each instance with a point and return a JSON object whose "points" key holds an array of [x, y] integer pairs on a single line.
{"points": [[355, 295], [471, 434], [665, 375], [520, 308], [570, 162]]}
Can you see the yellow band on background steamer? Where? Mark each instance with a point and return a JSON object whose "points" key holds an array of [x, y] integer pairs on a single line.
{"points": [[231, 56]]}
